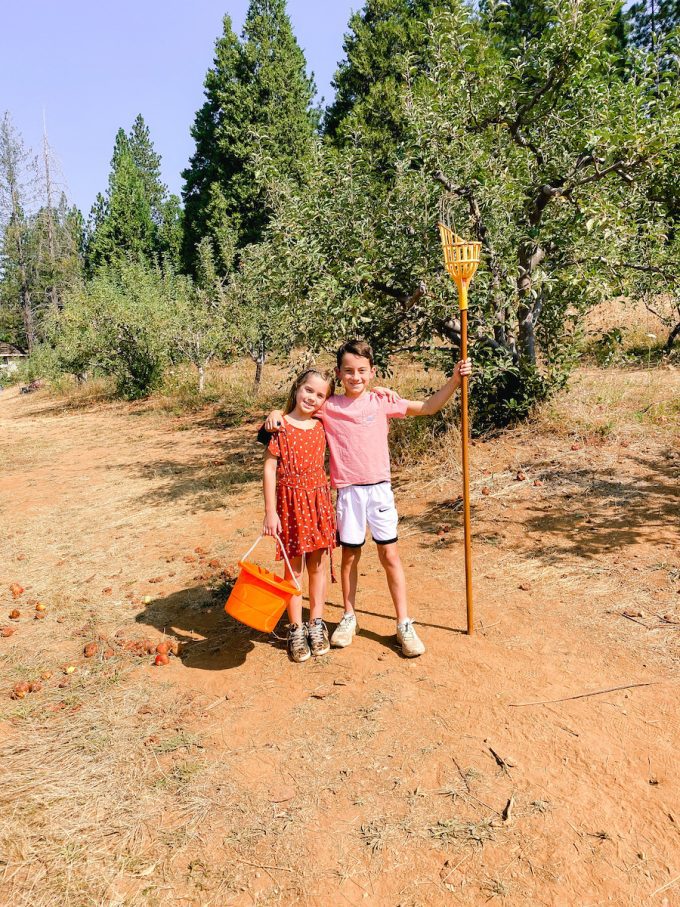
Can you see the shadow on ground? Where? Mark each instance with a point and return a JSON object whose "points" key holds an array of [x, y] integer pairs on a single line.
{"points": [[579, 511], [224, 643], [598, 513], [205, 481]]}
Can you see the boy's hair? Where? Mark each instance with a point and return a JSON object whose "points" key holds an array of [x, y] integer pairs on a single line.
{"points": [[356, 348], [300, 380]]}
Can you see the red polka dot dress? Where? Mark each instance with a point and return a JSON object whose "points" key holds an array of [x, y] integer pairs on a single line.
{"points": [[303, 494]]}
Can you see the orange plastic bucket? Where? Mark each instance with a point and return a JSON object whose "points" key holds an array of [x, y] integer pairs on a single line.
{"points": [[259, 597]]}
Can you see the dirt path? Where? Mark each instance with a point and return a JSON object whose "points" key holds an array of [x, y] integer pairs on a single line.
{"points": [[362, 777]]}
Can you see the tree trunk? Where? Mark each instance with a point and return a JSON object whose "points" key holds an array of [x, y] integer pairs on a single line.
{"points": [[53, 293], [671, 337], [201, 378], [25, 295], [530, 256], [259, 366], [259, 358]]}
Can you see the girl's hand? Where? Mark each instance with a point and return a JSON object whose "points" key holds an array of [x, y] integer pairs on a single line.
{"points": [[464, 368], [390, 395], [271, 525], [274, 420]]}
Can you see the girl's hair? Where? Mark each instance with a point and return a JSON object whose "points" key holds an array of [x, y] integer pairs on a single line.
{"points": [[300, 380]]}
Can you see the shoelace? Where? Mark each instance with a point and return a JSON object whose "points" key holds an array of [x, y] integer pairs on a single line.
{"points": [[347, 619], [297, 639], [316, 632]]}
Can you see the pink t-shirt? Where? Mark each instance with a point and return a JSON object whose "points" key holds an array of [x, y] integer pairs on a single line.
{"points": [[356, 431]]}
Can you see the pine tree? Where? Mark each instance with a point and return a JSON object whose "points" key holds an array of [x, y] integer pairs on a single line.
{"points": [[256, 122], [148, 163], [137, 217], [121, 225], [651, 22], [387, 50]]}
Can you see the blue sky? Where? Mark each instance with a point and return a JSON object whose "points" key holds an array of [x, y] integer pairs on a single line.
{"points": [[93, 66]]}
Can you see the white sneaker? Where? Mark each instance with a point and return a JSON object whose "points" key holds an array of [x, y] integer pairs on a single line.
{"points": [[345, 630], [410, 642]]}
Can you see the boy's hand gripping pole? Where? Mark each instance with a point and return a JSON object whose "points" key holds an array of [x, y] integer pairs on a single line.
{"points": [[462, 260]]}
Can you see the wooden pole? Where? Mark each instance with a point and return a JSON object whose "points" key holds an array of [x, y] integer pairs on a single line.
{"points": [[465, 435]]}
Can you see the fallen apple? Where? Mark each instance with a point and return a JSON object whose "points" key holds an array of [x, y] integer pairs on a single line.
{"points": [[5, 632], [161, 659], [40, 615], [20, 689], [16, 590], [69, 669], [45, 675], [14, 615], [163, 648], [35, 686], [147, 600], [90, 649]]}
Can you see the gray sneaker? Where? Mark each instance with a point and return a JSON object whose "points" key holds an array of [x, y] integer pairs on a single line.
{"points": [[411, 644], [318, 637], [297, 645], [345, 630]]}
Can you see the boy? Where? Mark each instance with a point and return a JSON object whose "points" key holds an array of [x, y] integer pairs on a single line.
{"points": [[357, 424]]}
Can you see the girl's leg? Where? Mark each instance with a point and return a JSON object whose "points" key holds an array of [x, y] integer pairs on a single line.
{"points": [[316, 568], [319, 643], [295, 604]]}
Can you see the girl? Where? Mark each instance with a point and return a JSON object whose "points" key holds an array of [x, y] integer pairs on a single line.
{"points": [[298, 507]]}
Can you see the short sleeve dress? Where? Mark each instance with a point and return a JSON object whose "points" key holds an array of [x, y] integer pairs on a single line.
{"points": [[303, 494]]}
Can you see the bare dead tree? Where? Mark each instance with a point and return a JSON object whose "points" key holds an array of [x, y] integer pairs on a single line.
{"points": [[52, 292]]}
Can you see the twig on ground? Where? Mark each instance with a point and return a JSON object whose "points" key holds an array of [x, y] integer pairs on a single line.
{"points": [[628, 686], [666, 886], [462, 774], [505, 764], [262, 865]]}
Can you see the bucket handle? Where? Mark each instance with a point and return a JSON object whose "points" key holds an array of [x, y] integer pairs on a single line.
{"points": [[257, 542]]}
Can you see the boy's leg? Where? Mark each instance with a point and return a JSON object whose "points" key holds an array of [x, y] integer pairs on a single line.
{"points": [[351, 520], [349, 574], [346, 630], [396, 579], [383, 520]]}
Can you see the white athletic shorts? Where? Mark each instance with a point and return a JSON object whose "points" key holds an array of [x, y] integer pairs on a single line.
{"points": [[358, 505]]}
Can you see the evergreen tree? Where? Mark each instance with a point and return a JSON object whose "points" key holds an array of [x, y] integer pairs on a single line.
{"points": [[256, 122], [148, 163], [16, 259], [386, 47], [137, 217], [121, 225], [651, 22]]}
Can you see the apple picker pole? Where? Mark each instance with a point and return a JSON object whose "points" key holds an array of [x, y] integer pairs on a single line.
{"points": [[462, 260]]}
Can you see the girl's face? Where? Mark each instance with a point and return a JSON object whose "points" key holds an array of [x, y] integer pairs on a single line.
{"points": [[311, 394]]}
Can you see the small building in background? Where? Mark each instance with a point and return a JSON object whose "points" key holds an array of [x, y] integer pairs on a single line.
{"points": [[10, 357]]}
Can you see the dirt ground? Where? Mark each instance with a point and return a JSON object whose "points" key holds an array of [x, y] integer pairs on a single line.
{"points": [[505, 766]]}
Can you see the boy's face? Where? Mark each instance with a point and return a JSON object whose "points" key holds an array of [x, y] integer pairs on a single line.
{"points": [[355, 373]]}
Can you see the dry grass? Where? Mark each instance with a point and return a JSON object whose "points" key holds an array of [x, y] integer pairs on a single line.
{"points": [[88, 814], [615, 403]]}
